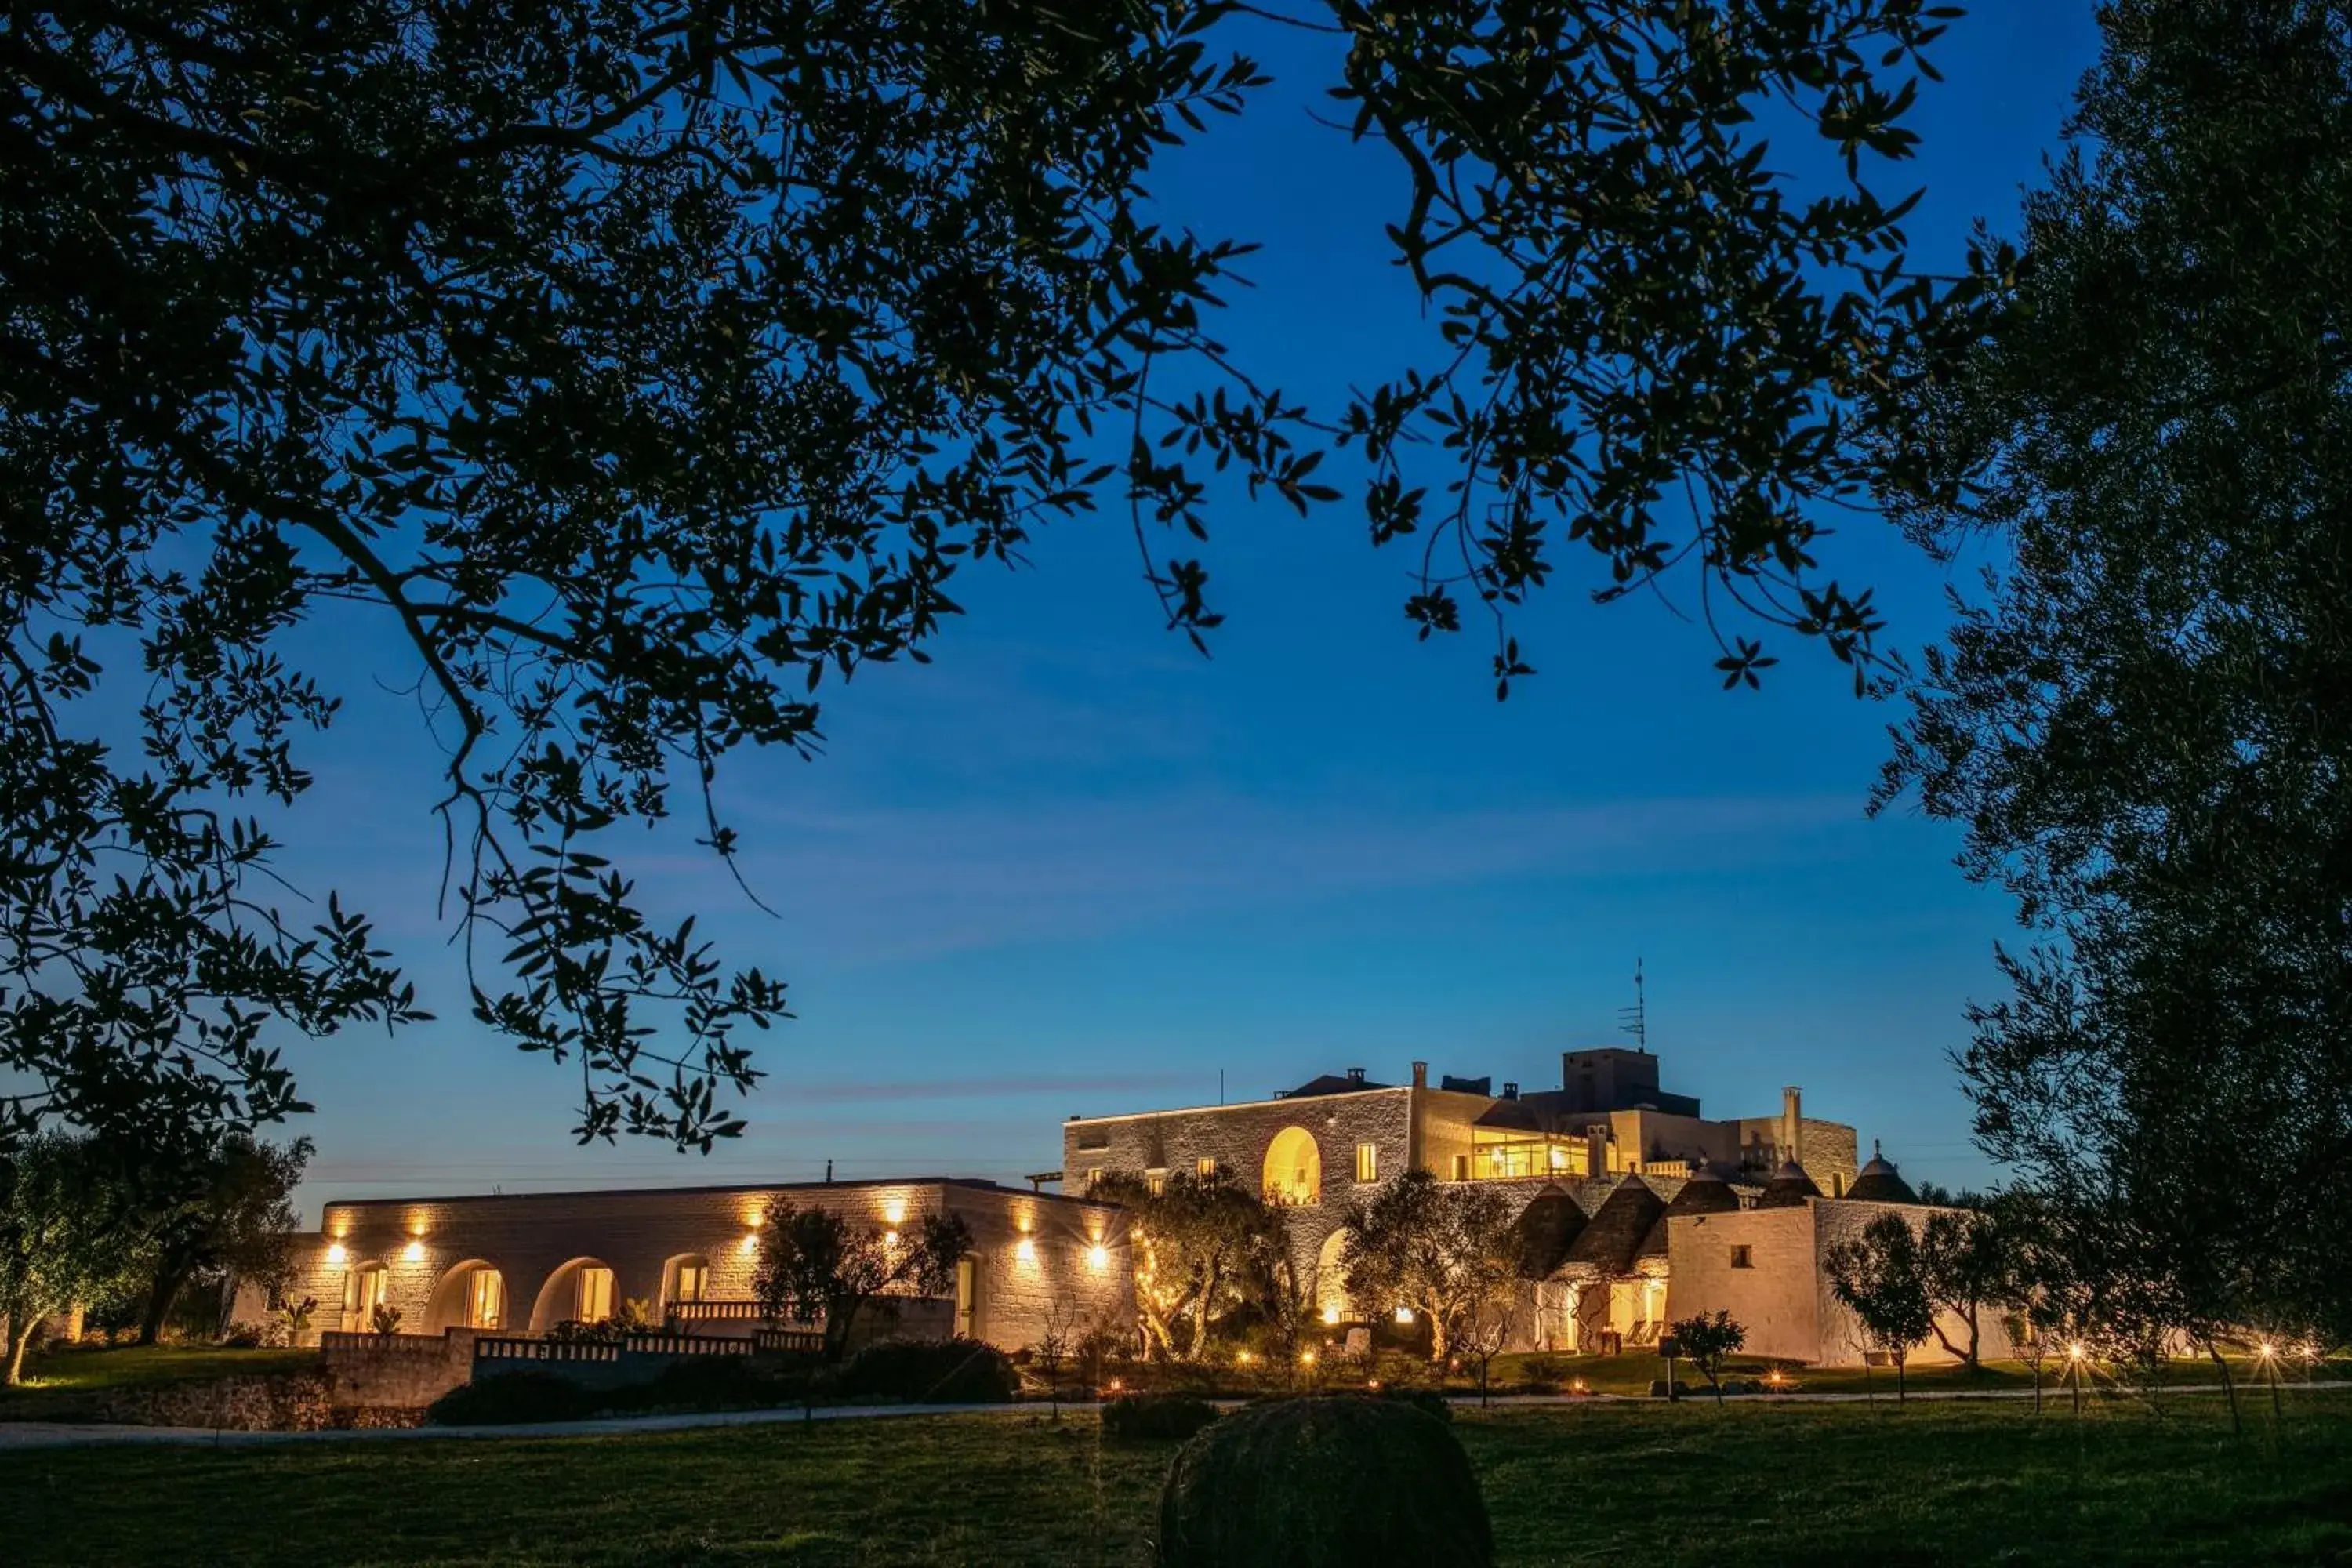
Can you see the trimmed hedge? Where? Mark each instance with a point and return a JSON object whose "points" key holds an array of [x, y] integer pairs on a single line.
{"points": [[1324, 1483], [510, 1398], [931, 1371], [1147, 1418]]}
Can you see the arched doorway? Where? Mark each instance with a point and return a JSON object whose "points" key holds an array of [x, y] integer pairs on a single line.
{"points": [[1330, 1278], [579, 1292], [1294, 1169], [472, 1295], [686, 1277]]}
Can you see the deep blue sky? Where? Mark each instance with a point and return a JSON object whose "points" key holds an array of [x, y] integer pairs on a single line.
{"points": [[1073, 867]]}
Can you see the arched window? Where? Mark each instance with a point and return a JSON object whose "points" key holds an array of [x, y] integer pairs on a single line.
{"points": [[686, 1277], [581, 1291], [471, 1295], [1294, 1169]]}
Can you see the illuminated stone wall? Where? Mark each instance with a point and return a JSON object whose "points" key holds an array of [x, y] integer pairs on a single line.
{"points": [[1030, 1250], [1783, 1297]]}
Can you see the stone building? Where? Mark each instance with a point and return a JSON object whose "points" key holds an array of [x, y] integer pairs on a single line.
{"points": [[523, 1263], [1336, 1140]]}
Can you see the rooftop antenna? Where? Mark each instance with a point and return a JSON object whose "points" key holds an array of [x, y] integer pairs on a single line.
{"points": [[1635, 1020]]}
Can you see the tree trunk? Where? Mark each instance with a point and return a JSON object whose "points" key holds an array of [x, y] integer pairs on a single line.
{"points": [[2229, 1387], [169, 1281], [1975, 1334], [1945, 1340], [1900, 1358], [1437, 1335], [20, 1338], [839, 1315]]}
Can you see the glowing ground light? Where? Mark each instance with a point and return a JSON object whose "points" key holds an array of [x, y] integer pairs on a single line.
{"points": [[1306, 1358], [1374, 1385], [1244, 1358], [1577, 1386], [1116, 1386]]}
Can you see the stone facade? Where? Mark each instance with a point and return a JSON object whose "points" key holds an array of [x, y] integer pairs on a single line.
{"points": [[1033, 1253], [1767, 1268]]}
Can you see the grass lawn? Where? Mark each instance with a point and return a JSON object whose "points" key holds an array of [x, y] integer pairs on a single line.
{"points": [[57, 1379], [1592, 1483]]}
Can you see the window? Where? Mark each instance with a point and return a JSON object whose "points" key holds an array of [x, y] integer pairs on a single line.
{"points": [[1206, 1165], [693, 1279], [1461, 1167], [1093, 1177], [1741, 1258], [595, 1299], [1155, 1182], [1098, 1138], [486, 1299], [1368, 1161]]}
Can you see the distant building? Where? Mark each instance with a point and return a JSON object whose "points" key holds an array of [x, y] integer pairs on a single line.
{"points": [[523, 1263], [1636, 1187]]}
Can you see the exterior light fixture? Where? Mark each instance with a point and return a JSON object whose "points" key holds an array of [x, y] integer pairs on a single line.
{"points": [[1116, 1386], [1306, 1358], [413, 1252], [1243, 1358], [1330, 1314], [2267, 1350], [752, 1241], [889, 1239], [1404, 1314], [1577, 1386], [335, 1253], [1374, 1385], [1098, 1256], [2075, 1351], [1026, 1250], [895, 1211]]}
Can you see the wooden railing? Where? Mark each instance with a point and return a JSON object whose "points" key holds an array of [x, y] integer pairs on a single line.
{"points": [[791, 1341]]}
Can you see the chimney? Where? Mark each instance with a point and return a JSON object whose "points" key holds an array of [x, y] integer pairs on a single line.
{"points": [[1792, 1124], [1420, 1075], [1510, 1092], [1355, 1075]]}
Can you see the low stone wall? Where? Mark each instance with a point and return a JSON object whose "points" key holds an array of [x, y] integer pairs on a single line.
{"points": [[268, 1402], [367, 1370]]}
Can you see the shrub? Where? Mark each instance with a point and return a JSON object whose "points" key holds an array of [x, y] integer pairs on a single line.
{"points": [[717, 1382], [243, 1337], [1428, 1401], [1156, 1418], [931, 1371], [510, 1398], [1324, 1483], [1544, 1372]]}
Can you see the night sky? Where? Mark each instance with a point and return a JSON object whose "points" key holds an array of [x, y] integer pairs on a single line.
{"points": [[1073, 867]]}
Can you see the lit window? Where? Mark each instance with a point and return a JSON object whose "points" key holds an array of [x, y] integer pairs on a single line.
{"points": [[693, 1279], [1155, 1182], [1206, 1165], [485, 1298], [1742, 1259], [1368, 1163], [595, 1298], [1093, 1177]]}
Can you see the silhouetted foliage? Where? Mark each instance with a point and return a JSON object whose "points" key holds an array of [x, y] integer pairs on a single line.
{"points": [[640, 365], [1705, 1341], [1878, 1277], [1156, 1418], [817, 1267], [2141, 722], [931, 1371]]}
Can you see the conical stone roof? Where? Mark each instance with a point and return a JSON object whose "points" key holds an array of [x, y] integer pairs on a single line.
{"points": [[1880, 1182], [1788, 1187]]}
